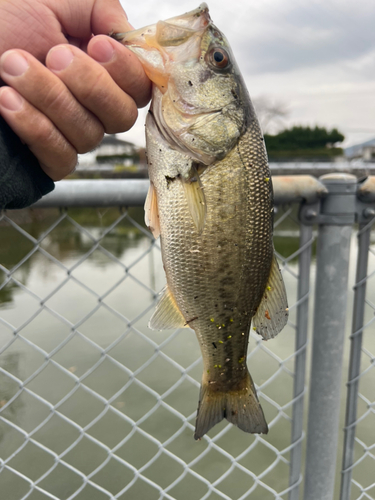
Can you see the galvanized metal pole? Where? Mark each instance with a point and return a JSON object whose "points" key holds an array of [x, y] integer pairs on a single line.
{"points": [[355, 359], [300, 360], [96, 193], [337, 214], [132, 192]]}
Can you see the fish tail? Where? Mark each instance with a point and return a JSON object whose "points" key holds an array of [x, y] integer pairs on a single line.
{"points": [[239, 405]]}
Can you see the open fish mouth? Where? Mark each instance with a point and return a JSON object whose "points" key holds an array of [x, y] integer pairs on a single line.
{"points": [[184, 57], [175, 30], [175, 39]]}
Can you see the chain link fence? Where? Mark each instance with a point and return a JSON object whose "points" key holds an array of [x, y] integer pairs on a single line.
{"points": [[359, 444], [94, 405]]}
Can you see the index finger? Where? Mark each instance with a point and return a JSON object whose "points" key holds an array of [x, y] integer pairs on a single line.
{"points": [[123, 66]]}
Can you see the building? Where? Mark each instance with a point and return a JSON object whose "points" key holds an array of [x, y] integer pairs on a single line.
{"points": [[364, 151], [112, 146], [115, 150], [110, 151], [114, 158]]}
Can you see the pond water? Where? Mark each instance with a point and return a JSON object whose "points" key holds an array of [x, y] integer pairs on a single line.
{"points": [[88, 393]]}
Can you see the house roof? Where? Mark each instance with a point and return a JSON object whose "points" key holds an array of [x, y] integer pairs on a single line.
{"points": [[352, 151]]}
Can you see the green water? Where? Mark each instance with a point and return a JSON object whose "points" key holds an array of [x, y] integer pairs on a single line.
{"points": [[83, 316]]}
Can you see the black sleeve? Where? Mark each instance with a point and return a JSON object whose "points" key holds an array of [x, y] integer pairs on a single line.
{"points": [[22, 181]]}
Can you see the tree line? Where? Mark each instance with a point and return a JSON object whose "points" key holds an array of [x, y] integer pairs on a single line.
{"points": [[304, 143]]}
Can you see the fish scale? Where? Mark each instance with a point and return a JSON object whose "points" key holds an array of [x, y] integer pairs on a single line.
{"points": [[223, 280], [221, 274], [211, 201]]}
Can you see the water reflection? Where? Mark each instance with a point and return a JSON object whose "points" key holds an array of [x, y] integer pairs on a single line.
{"points": [[85, 319], [66, 241], [103, 305]]}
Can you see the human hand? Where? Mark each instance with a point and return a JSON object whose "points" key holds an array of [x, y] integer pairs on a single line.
{"points": [[64, 107]]}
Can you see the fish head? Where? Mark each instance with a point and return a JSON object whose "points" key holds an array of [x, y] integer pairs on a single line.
{"points": [[199, 98]]}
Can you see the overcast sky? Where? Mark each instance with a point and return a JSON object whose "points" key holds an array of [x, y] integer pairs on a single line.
{"points": [[315, 57]]}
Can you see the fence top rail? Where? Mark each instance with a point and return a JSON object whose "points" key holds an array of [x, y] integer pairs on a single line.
{"points": [[96, 193], [132, 192], [295, 188]]}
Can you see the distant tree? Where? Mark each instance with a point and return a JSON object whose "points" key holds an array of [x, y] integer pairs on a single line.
{"points": [[303, 138], [304, 143], [271, 114]]}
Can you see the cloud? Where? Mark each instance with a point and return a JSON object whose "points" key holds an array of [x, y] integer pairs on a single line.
{"points": [[317, 57], [284, 35], [280, 35]]}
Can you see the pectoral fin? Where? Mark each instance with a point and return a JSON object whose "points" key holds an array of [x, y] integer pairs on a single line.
{"points": [[272, 313], [167, 314], [195, 199], [152, 212]]}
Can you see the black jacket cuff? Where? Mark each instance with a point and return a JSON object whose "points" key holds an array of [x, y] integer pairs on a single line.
{"points": [[22, 181]]}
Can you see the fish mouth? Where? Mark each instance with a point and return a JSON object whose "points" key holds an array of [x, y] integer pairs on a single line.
{"points": [[193, 20], [176, 56], [177, 39]]}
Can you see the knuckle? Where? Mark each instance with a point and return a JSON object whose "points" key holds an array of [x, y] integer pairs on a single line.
{"points": [[122, 121], [95, 91], [55, 97], [67, 163], [58, 155], [92, 138], [70, 165], [132, 116], [144, 99], [42, 131]]}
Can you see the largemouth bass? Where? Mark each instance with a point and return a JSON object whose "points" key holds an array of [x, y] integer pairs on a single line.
{"points": [[211, 201]]}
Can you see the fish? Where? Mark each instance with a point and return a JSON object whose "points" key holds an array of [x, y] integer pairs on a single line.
{"points": [[211, 202]]}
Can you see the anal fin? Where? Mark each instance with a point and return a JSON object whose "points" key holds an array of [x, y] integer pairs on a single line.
{"points": [[167, 315], [272, 313]]}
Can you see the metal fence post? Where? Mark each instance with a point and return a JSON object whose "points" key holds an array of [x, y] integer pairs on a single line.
{"points": [[300, 361], [355, 359], [337, 214]]}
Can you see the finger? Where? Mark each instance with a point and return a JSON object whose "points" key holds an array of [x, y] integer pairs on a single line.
{"points": [[81, 43], [93, 87], [56, 156], [123, 66], [46, 92], [81, 19], [108, 16]]}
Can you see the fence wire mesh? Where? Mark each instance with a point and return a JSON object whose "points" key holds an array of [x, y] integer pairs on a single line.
{"points": [[94, 405], [359, 446]]}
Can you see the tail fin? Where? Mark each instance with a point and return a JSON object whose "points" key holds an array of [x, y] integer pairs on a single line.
{"points": [[239, 406]]}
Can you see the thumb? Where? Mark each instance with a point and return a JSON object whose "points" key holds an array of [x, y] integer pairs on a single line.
{"points": [[108, 16]]}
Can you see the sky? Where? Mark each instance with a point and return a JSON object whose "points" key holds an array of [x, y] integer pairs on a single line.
{"points": [[315, 58]]}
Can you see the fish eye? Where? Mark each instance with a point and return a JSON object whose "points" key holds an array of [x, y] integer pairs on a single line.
{"points": [[219, 58]]}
